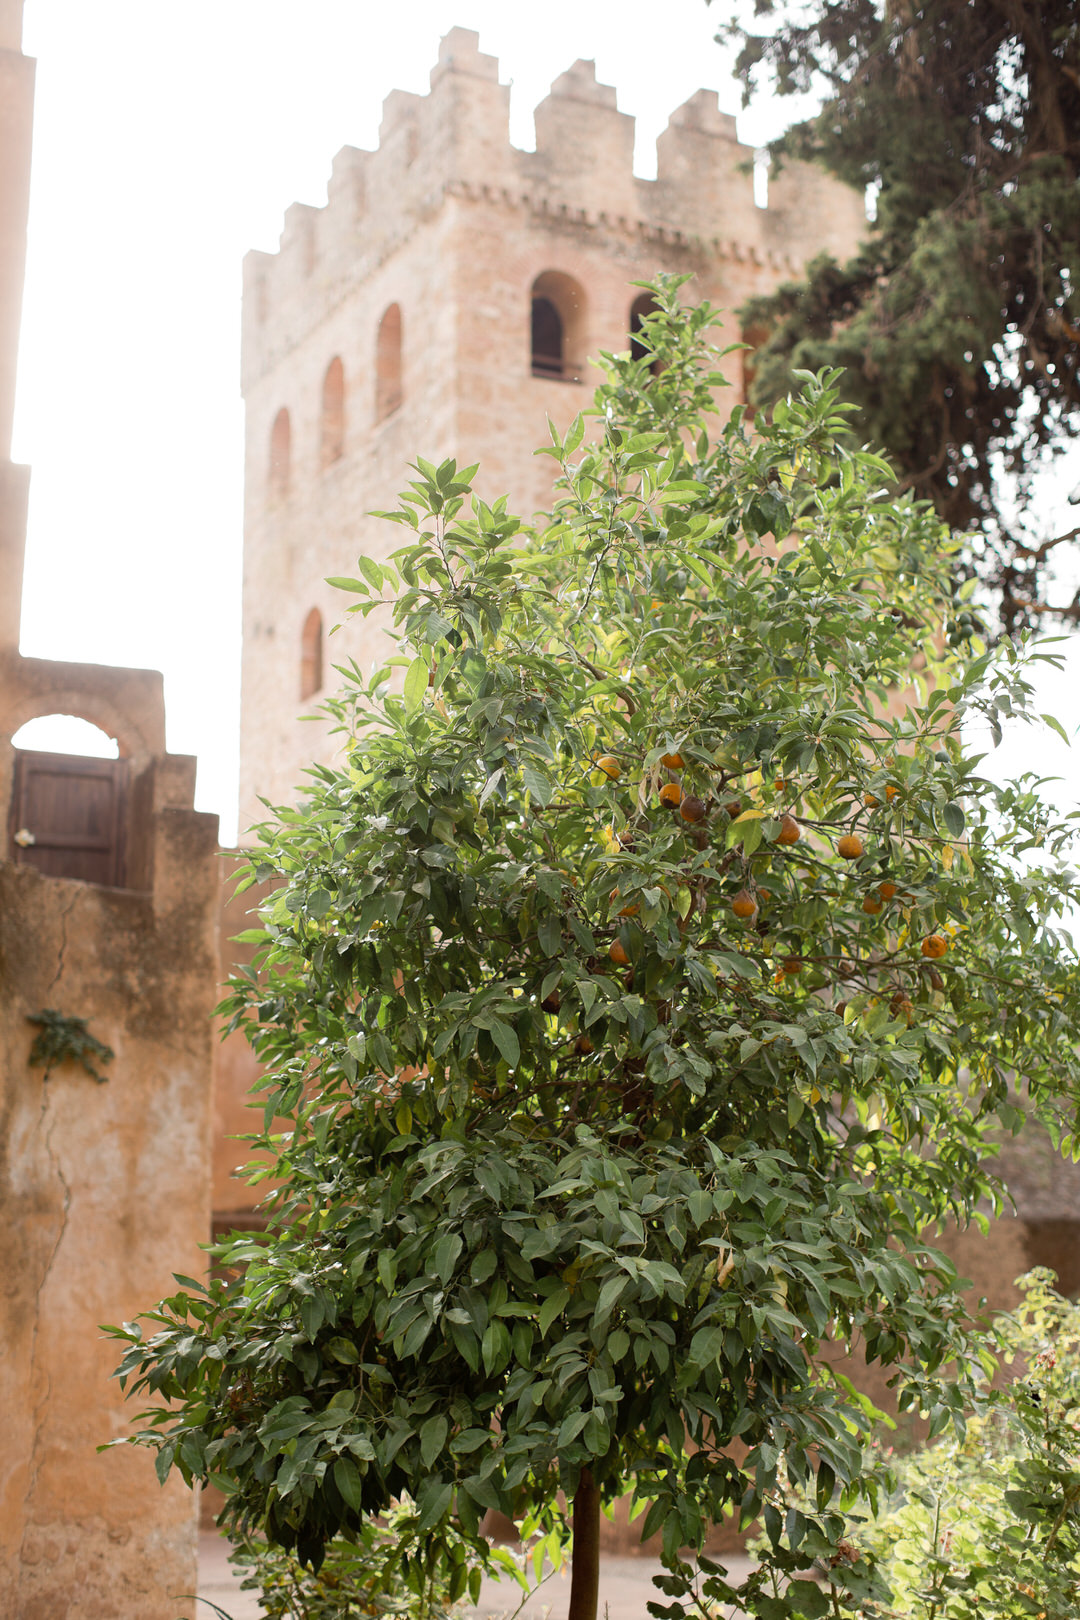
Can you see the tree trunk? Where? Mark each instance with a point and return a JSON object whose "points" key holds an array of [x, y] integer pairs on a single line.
{"points": [[585, 1565]]}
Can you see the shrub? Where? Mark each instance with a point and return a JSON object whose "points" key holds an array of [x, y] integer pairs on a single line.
{"points": [[587, 1158]]}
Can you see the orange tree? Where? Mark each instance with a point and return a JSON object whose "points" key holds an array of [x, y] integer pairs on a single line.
{"points": [[640, 988]]}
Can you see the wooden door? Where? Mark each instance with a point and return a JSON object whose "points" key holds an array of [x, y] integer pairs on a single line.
{"points": [[69, 816]]}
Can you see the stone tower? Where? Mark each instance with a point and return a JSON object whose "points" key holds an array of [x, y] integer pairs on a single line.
{"points": [[445, 302]]}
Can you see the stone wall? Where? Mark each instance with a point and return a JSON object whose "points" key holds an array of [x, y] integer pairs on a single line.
{"points": [[454, 225], [104, 1194]]}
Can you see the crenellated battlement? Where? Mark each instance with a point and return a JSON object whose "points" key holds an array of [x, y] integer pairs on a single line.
{"points": [[454, 142]]}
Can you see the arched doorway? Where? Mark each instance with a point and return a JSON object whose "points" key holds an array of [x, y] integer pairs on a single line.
{"points": [[69, 810]]}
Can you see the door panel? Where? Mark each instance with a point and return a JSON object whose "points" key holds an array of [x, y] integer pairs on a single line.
{"points": [[69, 816]]}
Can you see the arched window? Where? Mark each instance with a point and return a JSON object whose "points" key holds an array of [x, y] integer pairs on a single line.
{"points": [[558, 327], [388, 391], [333, 413], [547, 339], [643, 305], [280, 453], [311, 656]]}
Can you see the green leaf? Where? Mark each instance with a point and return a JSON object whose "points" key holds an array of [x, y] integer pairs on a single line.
{"points": [[1056, 725], [348, 1480], [416, 683], [432, 1438], [447, 1250], [954, 819], [433, 1503], [538, 783], [371, 572], [552, 1308], [507, 1042], [807, 1598]]}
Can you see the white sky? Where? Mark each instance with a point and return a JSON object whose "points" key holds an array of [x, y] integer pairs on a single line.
{"points": [[169, 138]]}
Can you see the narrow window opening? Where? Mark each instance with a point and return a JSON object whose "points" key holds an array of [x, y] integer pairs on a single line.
{"points": [[558, 336], [388, 386], [311, 656], [280, 453], [333, 413], [547, 339]]}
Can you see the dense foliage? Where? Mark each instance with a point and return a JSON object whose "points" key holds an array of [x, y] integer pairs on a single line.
{"points": [[958, 324], [987, 1521], [638, 989], [374, 1572]]}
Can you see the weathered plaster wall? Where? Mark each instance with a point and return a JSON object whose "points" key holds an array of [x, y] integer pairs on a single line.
{"points": [[104, 1193]]}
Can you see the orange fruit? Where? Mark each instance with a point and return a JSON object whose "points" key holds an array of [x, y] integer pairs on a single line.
{"points": [[891, 792], [871, 905], [584, 1045], [850, 846], [887, 890], [692, 809], [671, 795], [672, 762], [901, 1007], [551, 1003], [793, 964], [629, 910], [870, 802], [733, 808], [610, 766], [617, 952], [790, 831], [744, 905], [934, 946]]}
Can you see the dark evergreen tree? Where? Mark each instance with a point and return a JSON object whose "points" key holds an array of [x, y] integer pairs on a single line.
{"points": [[958, 324]]}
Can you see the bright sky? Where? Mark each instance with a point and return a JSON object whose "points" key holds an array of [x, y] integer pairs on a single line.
{"points": [[170, 137]]}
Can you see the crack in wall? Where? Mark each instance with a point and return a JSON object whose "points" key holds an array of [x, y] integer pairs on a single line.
{"points": [[41, 1405], [64, 915]]}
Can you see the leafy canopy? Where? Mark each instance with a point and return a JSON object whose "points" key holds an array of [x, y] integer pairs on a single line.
{"points": [[605, 1116], [958, 322]]}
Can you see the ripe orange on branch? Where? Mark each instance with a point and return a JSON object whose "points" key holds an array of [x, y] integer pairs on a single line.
{"points": [[610, 766], [850, 846], [617, 952], [790, 831], [692, 809], [744, 905], [934, 946], [671, 795], [672, 762]]}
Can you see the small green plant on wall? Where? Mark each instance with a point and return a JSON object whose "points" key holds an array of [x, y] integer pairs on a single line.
{"points": [[64, 1039]]}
